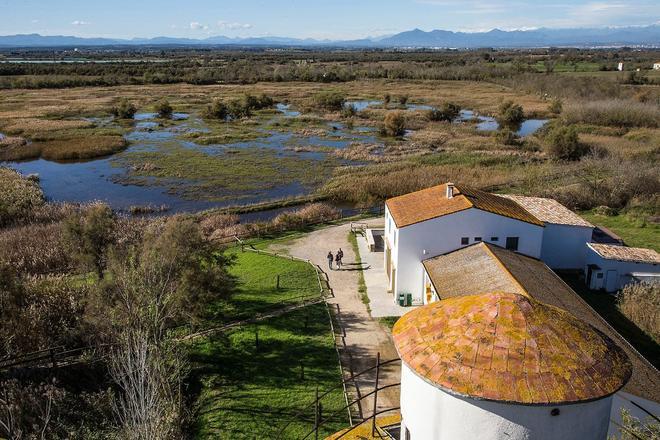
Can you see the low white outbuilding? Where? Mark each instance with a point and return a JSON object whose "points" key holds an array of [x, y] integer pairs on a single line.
{"points": [[504, 366], [610, 267]]}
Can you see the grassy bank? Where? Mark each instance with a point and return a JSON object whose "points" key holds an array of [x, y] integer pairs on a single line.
{"points": [[250, 382], [635, 229]]}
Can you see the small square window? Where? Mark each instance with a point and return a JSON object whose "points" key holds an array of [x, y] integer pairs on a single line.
{"points": [[599, 275], [477, 239], [512, 243], [494, 238], [465, 240]]}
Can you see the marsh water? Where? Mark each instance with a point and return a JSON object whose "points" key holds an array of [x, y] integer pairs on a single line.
{"points": [[112, 179]]}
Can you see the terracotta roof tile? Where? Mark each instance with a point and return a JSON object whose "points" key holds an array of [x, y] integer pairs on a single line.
{"points": [[526, 331], [549, 210], [625, 253], [432, 202]]}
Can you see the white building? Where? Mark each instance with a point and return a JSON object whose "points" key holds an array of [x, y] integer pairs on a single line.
{"points": [[443, 218], [656, 66], [564, 235], [619, 67], [610, 267], [502, 365]]}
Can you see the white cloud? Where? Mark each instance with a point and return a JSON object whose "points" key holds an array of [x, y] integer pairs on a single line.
{"points": [[79, 23], [195, 25], [233, 26]]}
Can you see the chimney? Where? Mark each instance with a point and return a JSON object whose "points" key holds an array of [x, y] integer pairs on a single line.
{"points": [[450, 190]]}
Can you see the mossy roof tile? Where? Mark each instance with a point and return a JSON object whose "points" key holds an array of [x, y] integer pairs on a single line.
{"points": [[534, 357]]}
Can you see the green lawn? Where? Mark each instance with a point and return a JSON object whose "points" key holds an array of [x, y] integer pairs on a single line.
{"points": [[257, 284], [634, 229], [244, 390]]}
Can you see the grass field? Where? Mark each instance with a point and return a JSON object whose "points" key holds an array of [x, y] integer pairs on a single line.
{"points": [[634, 230], [245, 389]]}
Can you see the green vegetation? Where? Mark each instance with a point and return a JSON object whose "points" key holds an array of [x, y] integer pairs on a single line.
{"points": [[447, 112], [251, 381], [19, 197], [124, 110], [389, 321], [613, 113], [564, 144], [510, 114], [362, 286], [164, 109], [331, 100], [633, 226], [394, 124], [640, 303]]}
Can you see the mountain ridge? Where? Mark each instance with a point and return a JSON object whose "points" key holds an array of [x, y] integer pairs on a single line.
{"points": [[415, 38]]}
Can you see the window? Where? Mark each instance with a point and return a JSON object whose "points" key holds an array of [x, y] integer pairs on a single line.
{"points": [[465, 240], [512, 243], [494, 238], [599, 275], [477, 239]]}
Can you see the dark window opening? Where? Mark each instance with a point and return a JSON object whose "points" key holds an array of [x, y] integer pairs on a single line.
{"points": [[494, 238], [512, 243], [465, 240], [599, 275], [477, 239]]}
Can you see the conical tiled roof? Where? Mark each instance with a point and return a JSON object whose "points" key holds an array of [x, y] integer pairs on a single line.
{"points": [[510, 348]]}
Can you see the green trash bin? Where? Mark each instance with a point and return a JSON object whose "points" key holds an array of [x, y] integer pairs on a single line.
{"points": [[402, 299], [409, 299]]}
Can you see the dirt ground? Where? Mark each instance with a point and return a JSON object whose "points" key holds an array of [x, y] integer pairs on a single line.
{"points": [[365, 336]]}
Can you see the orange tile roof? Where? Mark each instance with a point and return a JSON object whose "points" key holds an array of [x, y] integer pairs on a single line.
{"points": [[432, 202], [549, 211], [509, 348], [625, 253]]}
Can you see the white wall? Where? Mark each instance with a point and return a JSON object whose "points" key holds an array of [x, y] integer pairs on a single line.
{"points": [[443, 234], [564, 246], [620, 270], [624, 400], [432, 414]]}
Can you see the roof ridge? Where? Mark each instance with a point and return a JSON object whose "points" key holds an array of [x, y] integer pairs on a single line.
{"points": [[506, 269]]}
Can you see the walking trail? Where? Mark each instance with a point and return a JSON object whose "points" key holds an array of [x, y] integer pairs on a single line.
{"points": [[365, 336]]}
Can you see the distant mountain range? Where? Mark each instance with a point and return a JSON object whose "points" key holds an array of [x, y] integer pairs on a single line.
{"points": [[543, 37]]}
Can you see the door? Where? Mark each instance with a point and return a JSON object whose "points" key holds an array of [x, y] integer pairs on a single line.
{"points": [[611, 281], [388, 259]]}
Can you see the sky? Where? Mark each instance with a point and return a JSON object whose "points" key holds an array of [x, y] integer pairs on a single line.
{"points": [[320, 19]]}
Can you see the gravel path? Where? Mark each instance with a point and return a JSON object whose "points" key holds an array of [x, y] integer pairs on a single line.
{"points": [[365, 336]]}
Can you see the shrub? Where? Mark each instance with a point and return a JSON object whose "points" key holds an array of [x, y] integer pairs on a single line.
{"points": [[310, 214], [252, 102], [394, 124], [510, 114], [507, 136], [556, 106], [563, 143], [613, 112], [216, 110], [349, 111], [88, 236], [403, 99], [330, 100], [164, 108], [19, 198], [124, 110], [237, 109], [35, 249], [447, 112], [387, 98], [640, 302]]}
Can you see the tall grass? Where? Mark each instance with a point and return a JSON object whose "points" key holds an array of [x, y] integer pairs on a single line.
{"points": [[35, 249], [613, 112], [640, 302], [19, 197], [82, 148]]}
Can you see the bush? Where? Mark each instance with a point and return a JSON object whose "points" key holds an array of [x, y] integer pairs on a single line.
{"points": [[257, 103], [349, 111], [640, 302], [35, 249], [448, 112], [19, 198], [238, 109], [507, 136], [510, 114], [556, 106], [563, 143], [124, 110], [310, 214], [216, 110], [330, 100], [88, 236], [394, 124], [613, 112], [403, 99], [164, 109], [387, 98]]}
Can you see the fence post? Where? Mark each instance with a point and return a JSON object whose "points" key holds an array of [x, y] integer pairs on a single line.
{"points": [[373, 415], [317, 418], [278, 282]]}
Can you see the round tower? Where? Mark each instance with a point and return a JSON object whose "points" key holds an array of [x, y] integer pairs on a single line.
{"points": [[504, 366]]}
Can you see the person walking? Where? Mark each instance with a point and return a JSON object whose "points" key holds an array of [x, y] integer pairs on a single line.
{"points": [[338, 261], [330, 258]]}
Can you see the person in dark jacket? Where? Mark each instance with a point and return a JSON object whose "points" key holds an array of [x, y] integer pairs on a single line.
{"points": [[330, 259]]}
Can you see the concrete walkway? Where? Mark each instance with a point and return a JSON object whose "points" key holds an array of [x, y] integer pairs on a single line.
{"points": [[381, 301], [365, 336]]}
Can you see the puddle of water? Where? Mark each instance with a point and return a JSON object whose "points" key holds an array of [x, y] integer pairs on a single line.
{"points": [[285, 109], [488, 123], [364, 104]]}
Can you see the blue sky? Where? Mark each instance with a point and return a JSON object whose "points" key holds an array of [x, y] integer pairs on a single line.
{"points": [[336, 19]]}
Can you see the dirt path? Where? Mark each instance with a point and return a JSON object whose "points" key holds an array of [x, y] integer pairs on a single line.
{"points": [[365, 337]]}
